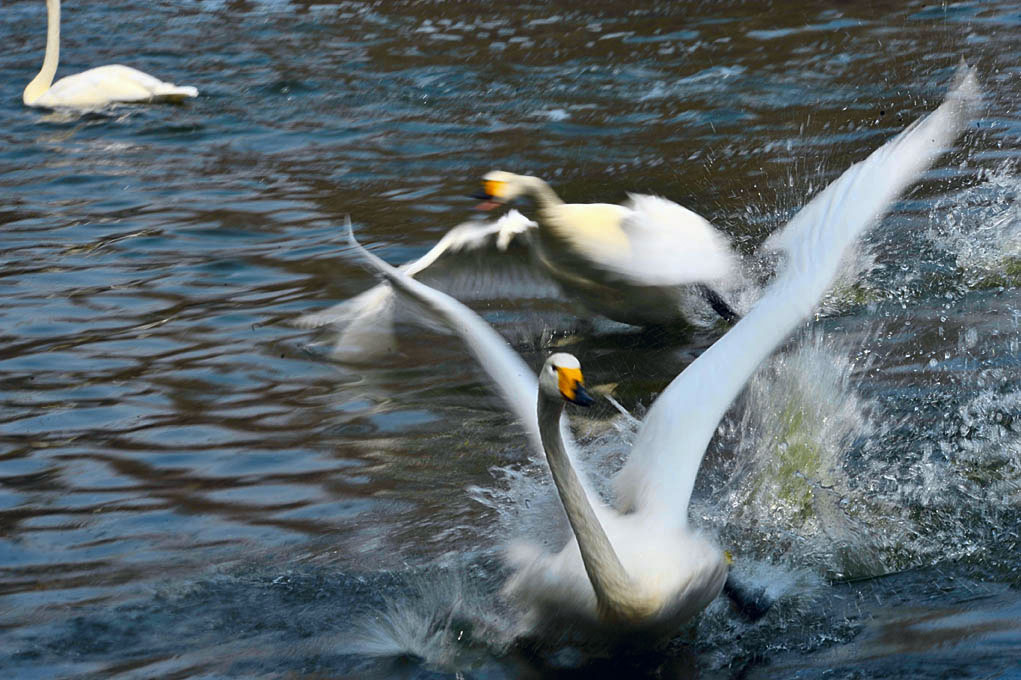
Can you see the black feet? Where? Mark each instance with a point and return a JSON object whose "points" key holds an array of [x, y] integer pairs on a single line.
{"points": [[750, 601], [718, 304]]}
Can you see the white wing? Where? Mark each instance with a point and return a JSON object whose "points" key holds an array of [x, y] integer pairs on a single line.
{"points": [[516, 382], [659, 477], [474, 260]]}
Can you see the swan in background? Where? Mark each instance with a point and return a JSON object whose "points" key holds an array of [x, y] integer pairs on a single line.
{"points": [[637, 264], [640, 566], [96, 87], [627, 262]]}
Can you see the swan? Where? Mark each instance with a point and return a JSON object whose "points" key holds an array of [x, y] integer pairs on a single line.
{"points": [[96, 87], [627, 262], [639, 566], [671, 249]]}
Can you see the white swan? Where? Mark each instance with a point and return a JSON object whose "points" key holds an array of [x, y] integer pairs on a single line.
{"points": [[674, 255], [641, 566], [96, 87], [627, 262]]}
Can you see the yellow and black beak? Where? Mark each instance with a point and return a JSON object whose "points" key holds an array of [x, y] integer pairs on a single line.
{"points": [[572, 386], [491, 195]]}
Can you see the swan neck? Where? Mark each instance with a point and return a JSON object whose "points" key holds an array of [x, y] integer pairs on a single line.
{"points": [[543, 193], [606, 574], [41, 83]]}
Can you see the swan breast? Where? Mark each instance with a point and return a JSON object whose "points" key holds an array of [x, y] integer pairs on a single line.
{"points": [[674, 575], [590, 232]]}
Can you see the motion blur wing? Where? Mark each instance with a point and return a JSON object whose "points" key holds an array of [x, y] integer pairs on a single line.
{"points": [[473, 261], [670, 245], [659, 477]]}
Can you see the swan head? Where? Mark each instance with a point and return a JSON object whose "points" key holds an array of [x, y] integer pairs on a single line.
{"points": [[561, 378], [499, 187]]}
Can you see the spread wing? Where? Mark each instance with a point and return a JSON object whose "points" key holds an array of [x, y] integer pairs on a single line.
{"points": [[486, 260], [473, 261], [660, 474]]}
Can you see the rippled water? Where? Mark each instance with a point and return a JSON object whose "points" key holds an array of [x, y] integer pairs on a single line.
{"points": [[190, 487]]}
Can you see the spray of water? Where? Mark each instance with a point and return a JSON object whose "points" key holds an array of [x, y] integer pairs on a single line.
{"points": [[980, 228], [443, 618], [780, 463]]}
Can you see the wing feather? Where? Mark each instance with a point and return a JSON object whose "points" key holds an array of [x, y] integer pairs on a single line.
{"points": [[660, 475], [474, 260], [671, 245], [516, 382]]}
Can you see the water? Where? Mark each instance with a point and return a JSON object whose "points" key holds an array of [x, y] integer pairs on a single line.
{"points": [[191, 487]]}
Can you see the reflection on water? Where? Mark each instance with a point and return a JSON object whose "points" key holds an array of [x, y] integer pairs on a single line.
{"points": [[175, 456]]}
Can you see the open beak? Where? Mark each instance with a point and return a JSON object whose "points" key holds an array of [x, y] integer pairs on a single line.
{"points": [[488, 202]]}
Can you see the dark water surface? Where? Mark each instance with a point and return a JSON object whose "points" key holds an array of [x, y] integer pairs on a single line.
{"points": [[191, 487]]}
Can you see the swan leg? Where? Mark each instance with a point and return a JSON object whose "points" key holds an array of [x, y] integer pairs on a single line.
{"points": [[749, 601], [718, 304]]}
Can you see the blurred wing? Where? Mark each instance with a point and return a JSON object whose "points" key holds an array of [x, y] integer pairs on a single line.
{"points": [[485, 261], [513, 378], [364, 325], [660, 474], [670, 245], [474, 260]]}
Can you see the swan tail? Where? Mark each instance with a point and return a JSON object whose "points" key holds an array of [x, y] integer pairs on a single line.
{"points": [[171, 92]]}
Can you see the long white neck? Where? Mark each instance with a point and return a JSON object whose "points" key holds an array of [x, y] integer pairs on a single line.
{"points": [[545, 198], [607, 575], [42, 82]]}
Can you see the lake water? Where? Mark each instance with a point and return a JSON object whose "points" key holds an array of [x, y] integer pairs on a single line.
{"points": [[191, 487]]}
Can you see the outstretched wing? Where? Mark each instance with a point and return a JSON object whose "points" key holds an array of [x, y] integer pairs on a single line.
{"points": [[511, 375], [474, 260], [660, 474], [485, 260]]}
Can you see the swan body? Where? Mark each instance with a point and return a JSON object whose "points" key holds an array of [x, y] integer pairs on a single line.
{"points": [[639, 565], [96, 87], [628, 262]]}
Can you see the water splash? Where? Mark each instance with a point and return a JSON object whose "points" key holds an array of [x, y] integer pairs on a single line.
{"points": [[783, 491], [980, 228], [810, 472], [446, 617]]}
